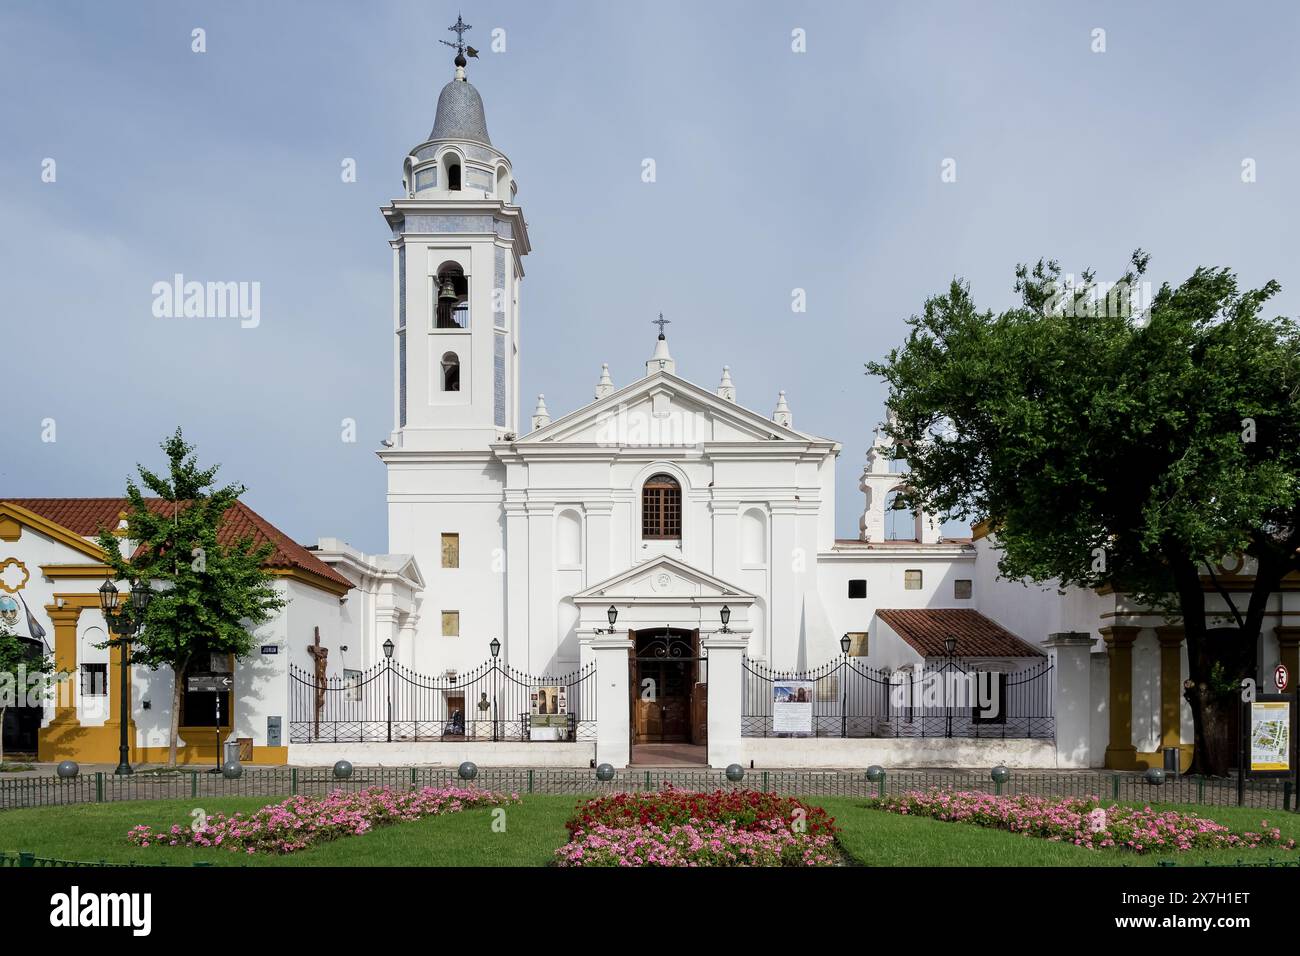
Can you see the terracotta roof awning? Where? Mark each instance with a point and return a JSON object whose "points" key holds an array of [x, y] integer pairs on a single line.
{"points": [[924, 629], [88, 516]]}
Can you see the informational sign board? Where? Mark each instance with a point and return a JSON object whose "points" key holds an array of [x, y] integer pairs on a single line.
{"points": [[210, 683], [549, 712], [270, 648], [1270, 735], [792, 706]]}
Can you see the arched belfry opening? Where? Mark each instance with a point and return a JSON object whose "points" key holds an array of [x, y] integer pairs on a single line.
{"points": [[452, 299], [450, 372], [451, 171]]}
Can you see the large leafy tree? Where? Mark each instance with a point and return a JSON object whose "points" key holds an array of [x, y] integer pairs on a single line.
{"points": [[210, 595], [1110, 444]]}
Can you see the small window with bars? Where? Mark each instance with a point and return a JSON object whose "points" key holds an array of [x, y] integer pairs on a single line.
{"points": [[961, 588], [94, 680], [912, 580], [661, 508]]}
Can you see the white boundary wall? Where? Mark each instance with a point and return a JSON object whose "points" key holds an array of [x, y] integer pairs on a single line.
{"points": [[770, 753], [440, 754]]}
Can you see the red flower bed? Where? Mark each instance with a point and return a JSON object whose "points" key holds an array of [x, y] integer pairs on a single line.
{"points": [[743, 809]]}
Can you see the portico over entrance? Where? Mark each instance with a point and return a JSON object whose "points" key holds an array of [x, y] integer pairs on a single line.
{"points": [[665, 613]]}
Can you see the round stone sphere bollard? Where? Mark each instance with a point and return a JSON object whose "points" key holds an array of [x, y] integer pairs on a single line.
{"points": [[735, 773], [1000, 774], [342, 770], [67, 769], [605, 772], [1154, 776], [232, 770], [875, 773], [468, 770]]}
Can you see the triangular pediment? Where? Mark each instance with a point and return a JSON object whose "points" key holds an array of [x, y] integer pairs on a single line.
{"points": [[662, 579], [662, 409]]}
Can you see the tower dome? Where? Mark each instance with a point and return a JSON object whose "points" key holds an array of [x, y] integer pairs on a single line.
{"points": [[460, 112]]}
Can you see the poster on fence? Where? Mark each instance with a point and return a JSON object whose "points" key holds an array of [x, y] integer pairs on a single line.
{"points": [[549, 717], [1270, 735], [792, 706]]}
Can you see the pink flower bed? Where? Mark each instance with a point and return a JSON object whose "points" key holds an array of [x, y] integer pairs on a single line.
{"points": [[300, 822], [1083, 822], [679, 828]]}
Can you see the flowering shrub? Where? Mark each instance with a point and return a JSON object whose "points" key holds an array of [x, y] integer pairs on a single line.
{"points": [[300, 822], [747, 809], [1083, 822], [681, 828]]}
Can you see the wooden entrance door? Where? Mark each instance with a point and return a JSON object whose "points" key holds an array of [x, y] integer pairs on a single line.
{"points": [[665, 669]]}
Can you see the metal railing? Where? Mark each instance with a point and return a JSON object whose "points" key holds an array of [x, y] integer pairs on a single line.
{"points": [[390, 702], [280, 782], [853, 700]]}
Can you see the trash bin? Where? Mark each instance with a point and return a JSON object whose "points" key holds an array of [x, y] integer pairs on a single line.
{"points": [[232, 750], [1171, 760]]}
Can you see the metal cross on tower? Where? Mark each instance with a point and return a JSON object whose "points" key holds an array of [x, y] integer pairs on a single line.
{"points": [[460, 46], [661, 322]]}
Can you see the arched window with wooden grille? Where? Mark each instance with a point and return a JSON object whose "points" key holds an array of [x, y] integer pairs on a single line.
{"points": [[661, 508]]}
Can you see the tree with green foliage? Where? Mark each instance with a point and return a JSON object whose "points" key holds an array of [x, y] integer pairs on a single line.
{"points": [[25, 673], [1109, 445], [209, 595]]}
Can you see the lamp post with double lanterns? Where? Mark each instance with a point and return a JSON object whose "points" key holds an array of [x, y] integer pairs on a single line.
{"points": [[388, 664], [125, 626], [495, 648]]}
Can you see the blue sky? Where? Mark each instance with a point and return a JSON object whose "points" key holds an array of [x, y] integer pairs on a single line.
{"points": [[776, 170]]}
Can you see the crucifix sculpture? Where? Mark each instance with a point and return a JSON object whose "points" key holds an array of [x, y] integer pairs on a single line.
{"points": [[318, 655]]}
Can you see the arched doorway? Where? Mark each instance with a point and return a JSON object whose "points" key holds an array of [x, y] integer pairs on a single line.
{"points": [[669, 692]]}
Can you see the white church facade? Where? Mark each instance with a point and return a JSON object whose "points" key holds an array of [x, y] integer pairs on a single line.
{"points": [[663, 518]]}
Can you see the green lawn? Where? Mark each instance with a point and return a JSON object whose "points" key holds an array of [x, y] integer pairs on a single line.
{"points": [[98, 831], [535, 828], [876, 838]]}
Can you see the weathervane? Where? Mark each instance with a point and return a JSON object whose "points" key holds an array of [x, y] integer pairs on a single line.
{"points": [[661, 322], [460, 46]]}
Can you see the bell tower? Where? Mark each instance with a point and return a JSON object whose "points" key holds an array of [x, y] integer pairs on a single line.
{"points": [[458, 240]]}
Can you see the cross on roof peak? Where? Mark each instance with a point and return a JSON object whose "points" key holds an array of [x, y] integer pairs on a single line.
{"points": [[661, 322]]}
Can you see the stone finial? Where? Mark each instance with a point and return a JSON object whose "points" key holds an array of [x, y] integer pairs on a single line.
{"points": [[606, 384], [541, 417], [661, 360], [726, 388], [782, 415]]}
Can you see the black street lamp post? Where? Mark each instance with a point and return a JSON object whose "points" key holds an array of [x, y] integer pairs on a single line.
{"points": [[124, 626], [950, 647], [495, 648], [388, 663], [845, 641]]}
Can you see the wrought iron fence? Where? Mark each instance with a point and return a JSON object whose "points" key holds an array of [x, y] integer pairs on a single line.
{"points": [[953, 700], [390, 702], [276, 783]]}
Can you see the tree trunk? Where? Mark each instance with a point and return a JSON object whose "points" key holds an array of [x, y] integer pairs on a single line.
{"points": [[1217, 662], [177, 690]]}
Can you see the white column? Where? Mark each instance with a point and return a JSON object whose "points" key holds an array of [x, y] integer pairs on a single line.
{"points": [[725, 681], [1072, 696], [515, 639], [613, 705]]}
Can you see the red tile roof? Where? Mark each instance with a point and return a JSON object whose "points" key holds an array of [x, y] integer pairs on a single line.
{"points": [[977, 636], [87, 516]]}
